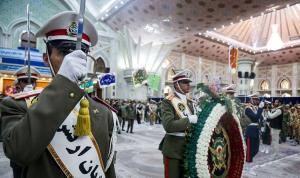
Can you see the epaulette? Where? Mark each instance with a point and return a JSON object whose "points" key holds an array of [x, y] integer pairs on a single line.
{"points": [[105, 104], [27, 94], [170, 97]]}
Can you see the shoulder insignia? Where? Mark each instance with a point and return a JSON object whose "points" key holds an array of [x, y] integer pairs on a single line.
{"points": [[28, 94], [34, 100], [170, 97], [95, 111]]}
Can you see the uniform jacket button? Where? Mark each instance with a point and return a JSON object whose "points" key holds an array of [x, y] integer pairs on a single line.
{"points": [[72, 95]]}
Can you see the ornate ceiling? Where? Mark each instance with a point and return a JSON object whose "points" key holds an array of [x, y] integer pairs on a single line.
{"points": [[206, 28]]}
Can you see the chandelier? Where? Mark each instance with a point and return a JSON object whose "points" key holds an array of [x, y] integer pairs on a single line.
{"points": [[275, 41]]}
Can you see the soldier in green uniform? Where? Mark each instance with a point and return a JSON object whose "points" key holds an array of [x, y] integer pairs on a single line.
{"points": [[124, 114], [297, 126], [131, 116], [41, 137], [22, 81], [293, 125], [285, 122], [177, 115]]}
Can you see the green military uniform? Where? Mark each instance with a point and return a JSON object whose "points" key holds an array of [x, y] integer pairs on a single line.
{"points": [[131, 115], [177, 113], [28, 131], [124, 115], [285, 122], [293, 121], [296, 127], [172, 146]]}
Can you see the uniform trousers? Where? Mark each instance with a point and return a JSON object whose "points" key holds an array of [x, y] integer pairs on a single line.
{"points": [[173, 168], [252, 141], [130, 125], [252, 148], [275, 140], [123, 122]]}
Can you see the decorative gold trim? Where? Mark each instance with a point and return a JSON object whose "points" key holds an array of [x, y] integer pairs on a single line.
{"points": [[98, 150], [91, 136], [59, 162]]}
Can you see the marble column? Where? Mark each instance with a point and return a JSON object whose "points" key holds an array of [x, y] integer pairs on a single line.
{"points": [[199, 71], [243, 84], [294, 79], [274, 80], [183, 60]]}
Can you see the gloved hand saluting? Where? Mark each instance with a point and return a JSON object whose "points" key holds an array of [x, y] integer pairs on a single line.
{"points": [[261, 104], [74, 66], [193, 119]]}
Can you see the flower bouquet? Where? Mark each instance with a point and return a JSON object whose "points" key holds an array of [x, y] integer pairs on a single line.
{"points": [[215, 146]]}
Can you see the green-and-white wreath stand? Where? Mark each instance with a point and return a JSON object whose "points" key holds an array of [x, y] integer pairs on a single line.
{"points": [[215, 146]]}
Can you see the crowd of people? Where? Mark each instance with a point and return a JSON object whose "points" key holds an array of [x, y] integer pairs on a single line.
{"points": [[131, 110], [270, 124], [290, 130], [40, 136]]}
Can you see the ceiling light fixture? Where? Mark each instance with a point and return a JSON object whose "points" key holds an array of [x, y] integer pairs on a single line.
{"points": [[154, 28], [275, 41]]}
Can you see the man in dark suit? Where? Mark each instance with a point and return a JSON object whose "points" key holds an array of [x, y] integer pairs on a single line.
{"points": [[177, 115], [40, 136]]}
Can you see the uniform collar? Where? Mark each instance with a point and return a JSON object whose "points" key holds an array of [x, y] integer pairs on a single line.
{"points": [[181, 96]]}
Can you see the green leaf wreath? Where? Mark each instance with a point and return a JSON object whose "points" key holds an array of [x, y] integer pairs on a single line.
{"points": [[215, 109], [139, 77]]}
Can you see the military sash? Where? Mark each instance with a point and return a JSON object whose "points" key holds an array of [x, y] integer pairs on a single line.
{"points": [[181, 107], [27, 94], [113, 141], [78, 157]]}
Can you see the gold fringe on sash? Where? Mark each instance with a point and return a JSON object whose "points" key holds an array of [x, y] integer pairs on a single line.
{"points": [[83, 126]]}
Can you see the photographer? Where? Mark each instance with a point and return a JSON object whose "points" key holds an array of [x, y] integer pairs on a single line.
{"points": [[275, 116]]}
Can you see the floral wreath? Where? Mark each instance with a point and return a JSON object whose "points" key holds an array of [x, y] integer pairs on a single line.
{"points": [[215, 146]]}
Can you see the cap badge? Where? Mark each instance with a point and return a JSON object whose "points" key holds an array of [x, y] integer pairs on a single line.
{"points": [[72, 30], [181, 107]]}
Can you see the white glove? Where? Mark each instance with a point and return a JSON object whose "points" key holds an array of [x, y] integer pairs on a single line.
{"points": [[193, 119], [261, 104], [28, 88], [74, 66]]}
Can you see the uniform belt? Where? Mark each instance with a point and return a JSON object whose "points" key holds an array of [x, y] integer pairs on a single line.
{"points": [[255, 124], [178, 134]]}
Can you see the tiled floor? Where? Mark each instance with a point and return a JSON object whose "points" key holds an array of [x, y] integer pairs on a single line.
{"points": [[138, 157]]}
